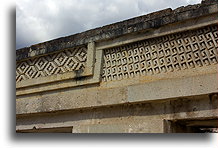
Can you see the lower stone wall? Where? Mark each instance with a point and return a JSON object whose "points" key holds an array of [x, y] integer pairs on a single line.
{"points": [[141, 117]]}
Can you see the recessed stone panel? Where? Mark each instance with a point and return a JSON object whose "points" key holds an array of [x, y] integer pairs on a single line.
{"points": [[173, 52], [57, 63]]}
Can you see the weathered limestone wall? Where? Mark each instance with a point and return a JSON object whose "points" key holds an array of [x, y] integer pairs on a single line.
{"points": [[139, 75], [127, 118]]}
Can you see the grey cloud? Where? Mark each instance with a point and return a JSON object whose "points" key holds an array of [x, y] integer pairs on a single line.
{"points": [[42, 20]]}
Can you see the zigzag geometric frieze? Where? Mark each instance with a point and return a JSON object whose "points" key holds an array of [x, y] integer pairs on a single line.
{"points": [[57, 63], [174, 52]]}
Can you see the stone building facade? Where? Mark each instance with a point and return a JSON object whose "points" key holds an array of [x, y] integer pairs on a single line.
{"points": [[155, 73]]}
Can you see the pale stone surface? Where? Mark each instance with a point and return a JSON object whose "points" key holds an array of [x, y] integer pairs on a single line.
{"points": [[94, 97], [145, 117], [142, 75], [174, 88]]}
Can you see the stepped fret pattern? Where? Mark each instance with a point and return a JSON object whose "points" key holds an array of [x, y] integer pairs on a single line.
{"points": [[174, 52]]}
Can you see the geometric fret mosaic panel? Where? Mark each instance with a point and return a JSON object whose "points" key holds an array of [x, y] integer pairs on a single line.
{"points": [[174, 52], [57, 63]]}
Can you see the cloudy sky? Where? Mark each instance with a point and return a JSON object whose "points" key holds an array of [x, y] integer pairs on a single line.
{"points": [[43, 20]]}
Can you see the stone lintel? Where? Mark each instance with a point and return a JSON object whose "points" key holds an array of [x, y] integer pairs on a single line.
{"points": [[94, 97]]}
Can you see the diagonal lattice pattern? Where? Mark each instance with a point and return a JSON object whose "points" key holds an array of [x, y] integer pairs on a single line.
{"points": [[57, 63]]}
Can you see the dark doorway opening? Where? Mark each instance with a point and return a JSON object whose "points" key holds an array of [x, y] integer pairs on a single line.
{"points": [[48, 130], [191, 126]]}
